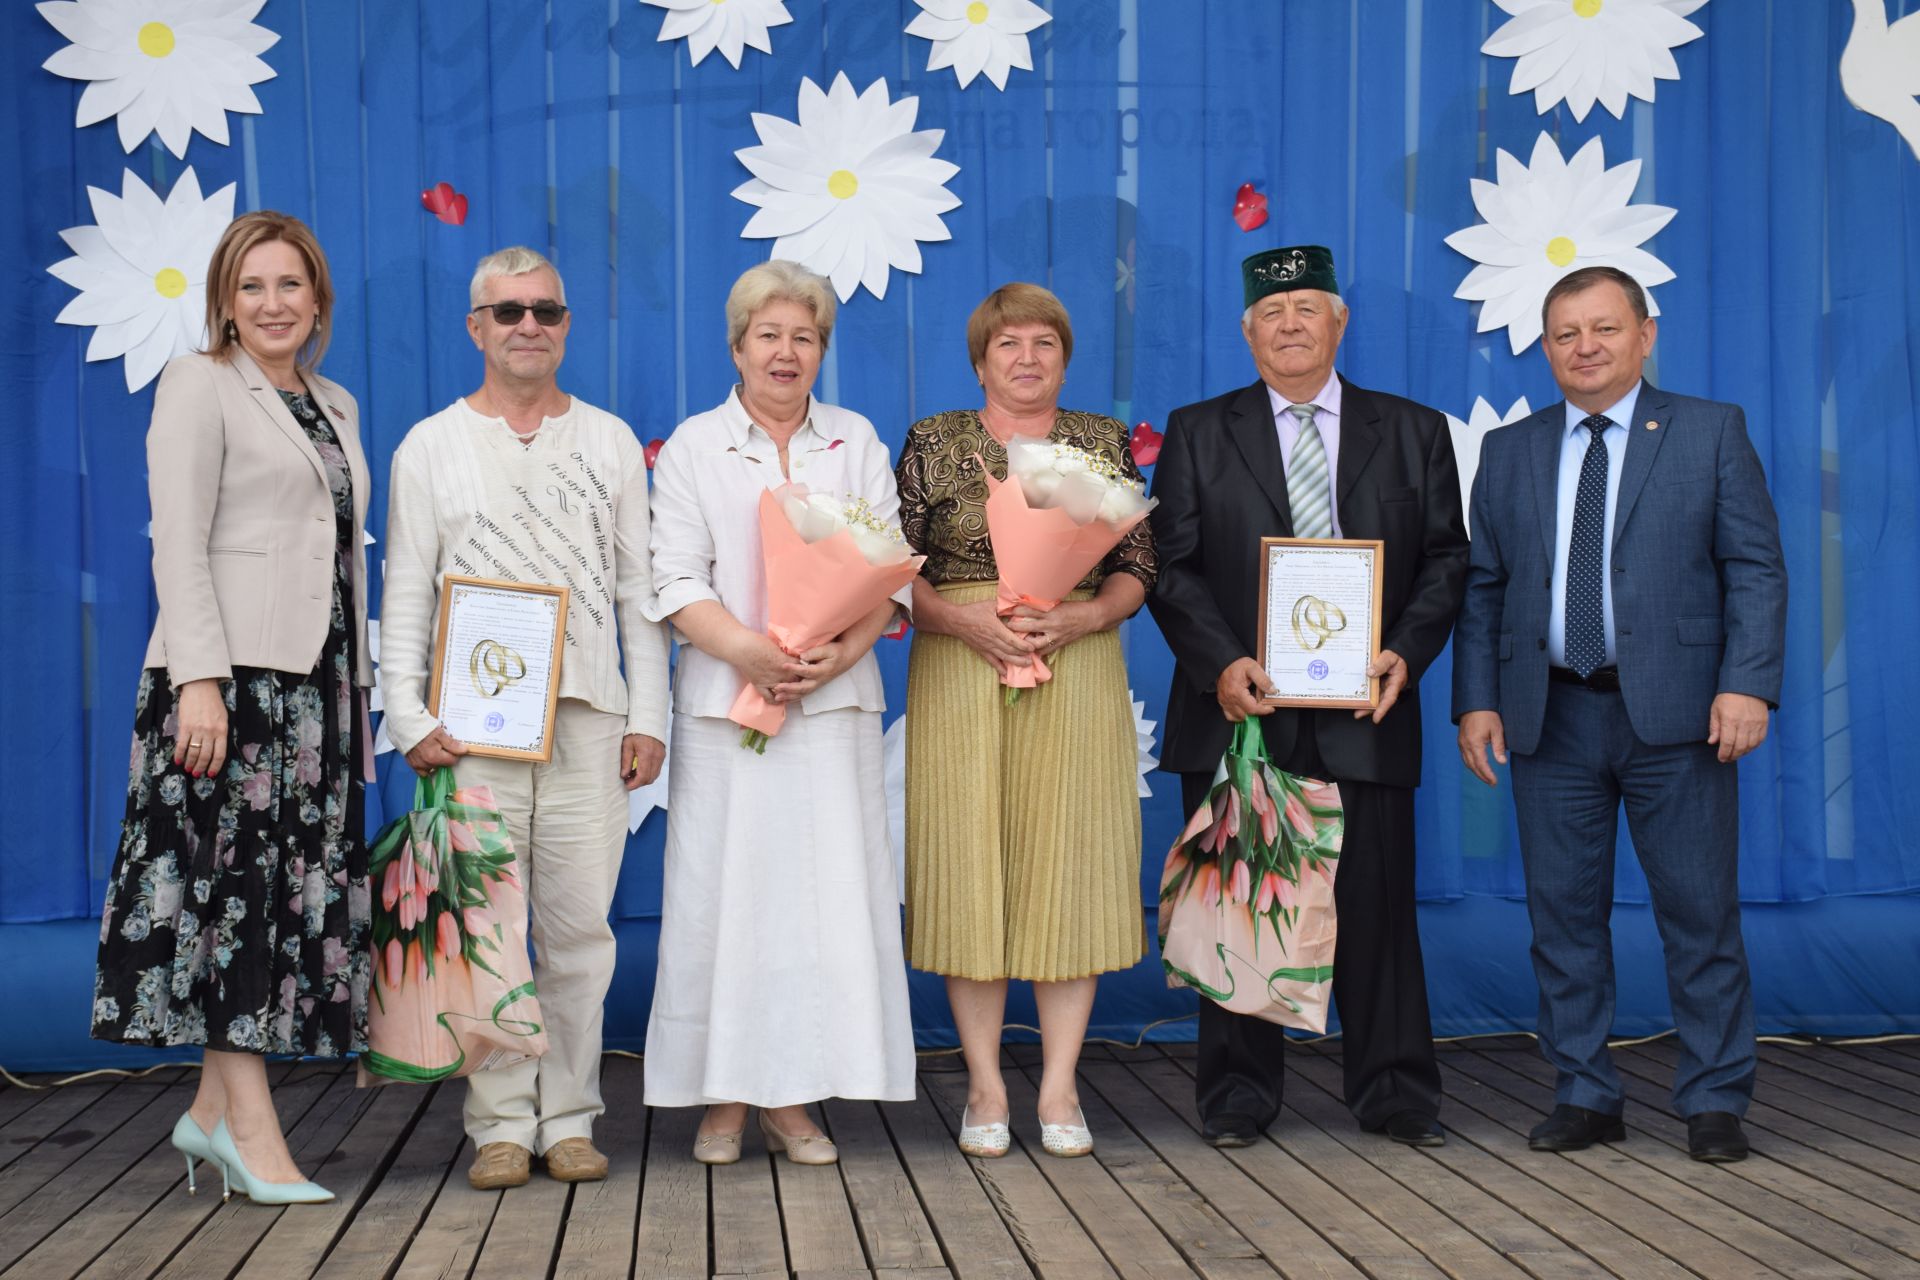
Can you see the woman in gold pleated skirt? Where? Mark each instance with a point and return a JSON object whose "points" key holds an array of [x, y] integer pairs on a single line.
{"points": [[1023, 820]]}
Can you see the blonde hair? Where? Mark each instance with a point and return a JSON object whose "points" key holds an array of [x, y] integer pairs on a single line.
{"points": [[778, 280], [242, 236], [1010, 306], [514, 260]]}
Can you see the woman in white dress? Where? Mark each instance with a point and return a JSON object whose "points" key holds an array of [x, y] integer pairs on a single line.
{"points": [[781, 979]]}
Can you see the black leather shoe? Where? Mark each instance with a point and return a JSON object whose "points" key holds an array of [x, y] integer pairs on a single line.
{"points": [[1415, 1129], [1716, 1137], [1572, 1128], [1230, 1129]]}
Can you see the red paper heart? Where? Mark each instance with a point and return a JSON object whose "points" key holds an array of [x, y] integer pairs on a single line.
{"points": [[1145, 444], [444, 203], [653, 451], [1249, 208], [898, 632]]}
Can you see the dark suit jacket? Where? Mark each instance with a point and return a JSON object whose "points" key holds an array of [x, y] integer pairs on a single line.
{"points": [[1698, 582], [1222, 487]]}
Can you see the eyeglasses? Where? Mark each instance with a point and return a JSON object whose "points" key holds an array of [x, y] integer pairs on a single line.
{"points": [[509, 314]]}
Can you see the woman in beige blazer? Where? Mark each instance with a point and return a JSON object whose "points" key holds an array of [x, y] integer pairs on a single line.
{"points": [[237, 914]]}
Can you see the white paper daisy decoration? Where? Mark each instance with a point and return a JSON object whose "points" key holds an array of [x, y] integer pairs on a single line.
{"points": [[1145, 762], [1583, 51], [162, 66], [972, 36], [142, 272], [1468, 436], [727, 25], [1549, 217], [850, 190]]}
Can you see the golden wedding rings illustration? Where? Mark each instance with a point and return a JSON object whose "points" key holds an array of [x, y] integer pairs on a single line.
{"points": [[1315, 621], [493, 667]]}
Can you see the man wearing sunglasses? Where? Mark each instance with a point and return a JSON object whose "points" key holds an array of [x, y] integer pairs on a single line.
{"points": [[521, 481]]}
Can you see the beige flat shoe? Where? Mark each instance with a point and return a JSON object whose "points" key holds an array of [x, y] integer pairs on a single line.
{"points": [[811, 1148], [575, 1160], [500, 1164], [716, 1148]]}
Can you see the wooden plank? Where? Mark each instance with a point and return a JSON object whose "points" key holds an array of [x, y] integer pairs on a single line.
{"points": [[672, 1239], [163, 1217], [455, 1227], [1053, 1241], [84, 1121], [1824, 1079], [1348, 1226], [1233, 1269], [1291, 1245], [977, 1243], [1519, 1216], [1831, 1062], [1155, 1211], [1902, 1056], [1497, 1124], [815, 1215], [68, 1193], [524, 1237], [298, 1243], [46, 1115], [602, 1221], [1708, 1196], [1458, 1227], [893, 1226], [1854, 1151], [376, 1235], [747, 1239]]}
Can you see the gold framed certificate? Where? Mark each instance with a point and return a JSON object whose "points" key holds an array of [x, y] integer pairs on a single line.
{"points": [[496, 665], [1320, 620]]}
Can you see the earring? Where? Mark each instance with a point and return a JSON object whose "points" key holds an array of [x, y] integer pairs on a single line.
{"points": [[231, 331]]}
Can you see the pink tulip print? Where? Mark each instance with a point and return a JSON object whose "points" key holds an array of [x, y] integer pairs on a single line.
{"points": [[453, 986], [1246, 894]]}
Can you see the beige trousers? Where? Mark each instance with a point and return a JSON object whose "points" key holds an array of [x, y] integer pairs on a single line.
{"points": [[568, 820]]}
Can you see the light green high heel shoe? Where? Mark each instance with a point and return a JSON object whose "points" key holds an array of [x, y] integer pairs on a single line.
{"points": [[191, 1141], [234, 1170]]}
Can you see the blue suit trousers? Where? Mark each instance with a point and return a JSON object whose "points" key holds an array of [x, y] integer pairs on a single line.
{"points": [[1683, 813]]}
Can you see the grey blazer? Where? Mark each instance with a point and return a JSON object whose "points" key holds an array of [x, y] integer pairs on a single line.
{"points": [[243, 524], [1698, 581]]}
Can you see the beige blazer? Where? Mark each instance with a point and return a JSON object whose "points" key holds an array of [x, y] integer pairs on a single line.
{"points": [[243, 532]]}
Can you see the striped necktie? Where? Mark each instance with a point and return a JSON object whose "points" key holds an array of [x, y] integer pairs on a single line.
{"points": [[1307, 490]]}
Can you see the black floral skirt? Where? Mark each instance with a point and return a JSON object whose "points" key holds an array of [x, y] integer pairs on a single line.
{"points": [[237, 914]]}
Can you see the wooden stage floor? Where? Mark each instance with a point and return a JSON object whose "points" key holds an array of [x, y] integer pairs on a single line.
{"points": [[89, 1186]]}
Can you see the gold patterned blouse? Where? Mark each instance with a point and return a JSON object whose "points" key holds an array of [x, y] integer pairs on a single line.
{"points": [[943, 511]]}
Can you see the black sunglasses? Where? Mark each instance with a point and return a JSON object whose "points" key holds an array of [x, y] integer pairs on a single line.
{"points": [[510, 313]]}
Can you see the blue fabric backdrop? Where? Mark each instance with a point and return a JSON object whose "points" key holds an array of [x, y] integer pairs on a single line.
{"points": [[1107, 173]]}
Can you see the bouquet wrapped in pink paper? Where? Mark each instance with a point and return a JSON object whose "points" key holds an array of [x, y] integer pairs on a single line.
{"points": [[1061, 510], [452, 986], [829, 563], [1246, 901]]}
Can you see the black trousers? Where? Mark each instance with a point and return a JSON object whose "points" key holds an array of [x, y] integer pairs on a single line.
{"points": [[1379, 981]]}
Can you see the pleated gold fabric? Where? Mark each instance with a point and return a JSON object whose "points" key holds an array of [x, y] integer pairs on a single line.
{"points": [[1023, 822]]}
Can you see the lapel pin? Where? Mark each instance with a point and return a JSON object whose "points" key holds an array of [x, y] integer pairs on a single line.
{"points": [[1652, 425]]}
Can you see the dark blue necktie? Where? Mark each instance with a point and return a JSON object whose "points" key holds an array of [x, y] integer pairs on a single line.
{"points": [[1586, 629]]}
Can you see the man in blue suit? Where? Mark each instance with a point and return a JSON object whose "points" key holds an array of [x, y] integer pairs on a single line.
{"points": [[1622, 638]]}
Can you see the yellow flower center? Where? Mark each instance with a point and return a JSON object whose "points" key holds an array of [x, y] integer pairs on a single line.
{"points": [[841, 184], [1587, 8], [977, 12], [155, 39], [168, 282], [1560, 251]]}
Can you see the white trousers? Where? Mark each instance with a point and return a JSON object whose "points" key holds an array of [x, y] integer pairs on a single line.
{"points": [[568, 820]]}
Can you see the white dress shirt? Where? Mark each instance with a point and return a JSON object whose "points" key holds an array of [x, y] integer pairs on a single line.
{"points": [[1326, 420], [707, 482], [1573, 453]]}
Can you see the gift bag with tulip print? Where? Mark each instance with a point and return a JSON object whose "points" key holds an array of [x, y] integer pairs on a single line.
{"points": [[1246, 900], [452, 985]]}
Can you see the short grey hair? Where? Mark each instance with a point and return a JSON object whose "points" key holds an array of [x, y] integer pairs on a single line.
{"points": [[1339, 309], [515, 260], [778, 280]]}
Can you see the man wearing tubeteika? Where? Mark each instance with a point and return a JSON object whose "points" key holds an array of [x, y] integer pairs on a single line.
{"points": [[1302, 452]]}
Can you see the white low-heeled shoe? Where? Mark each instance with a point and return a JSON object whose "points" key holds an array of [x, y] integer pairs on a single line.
{"points": [[987, 1141], [1067, 1140]]}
